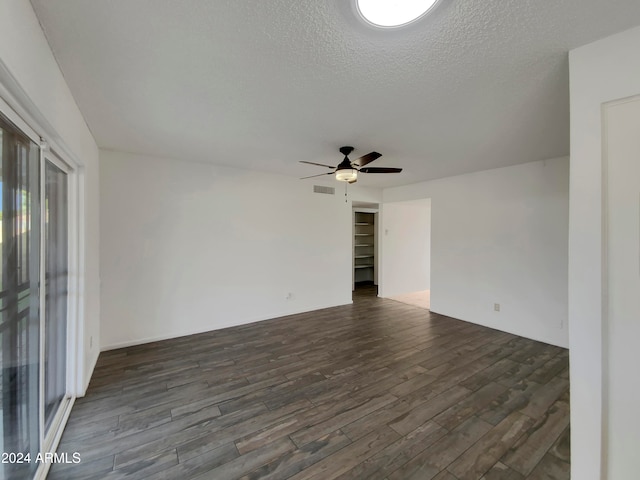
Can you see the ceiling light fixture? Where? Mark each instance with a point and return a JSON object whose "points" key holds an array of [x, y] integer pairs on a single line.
{"points": [[345, 171], [393, 13]]}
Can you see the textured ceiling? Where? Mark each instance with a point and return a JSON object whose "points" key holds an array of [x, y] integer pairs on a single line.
{"points": [[261, 84]]}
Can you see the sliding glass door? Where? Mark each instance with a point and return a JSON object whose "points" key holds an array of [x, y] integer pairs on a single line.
{"points": [[19, 301], [34, 244]]}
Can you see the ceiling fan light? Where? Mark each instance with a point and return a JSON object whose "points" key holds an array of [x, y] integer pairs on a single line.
{"points": [[346, 174]]}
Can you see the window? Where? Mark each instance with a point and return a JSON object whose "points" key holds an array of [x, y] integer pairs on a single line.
{"points": [[34, 259]]}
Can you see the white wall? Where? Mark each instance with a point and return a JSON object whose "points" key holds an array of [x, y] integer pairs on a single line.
{"points": [[405, 244], [600, 72], [35, 81], [622, 273], [189, 247], [500, 236]]}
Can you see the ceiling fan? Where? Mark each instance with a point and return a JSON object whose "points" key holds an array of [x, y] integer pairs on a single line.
{"points": [[347, 170]]}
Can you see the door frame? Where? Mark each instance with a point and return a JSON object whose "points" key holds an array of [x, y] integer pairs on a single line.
{"points": [[376, 241], [17, 107]]}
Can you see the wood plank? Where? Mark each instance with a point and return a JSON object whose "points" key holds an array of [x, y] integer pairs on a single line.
{"points": [[501, 472], [529, 450], [308, 434], [295, 422], [543, 398], [515, 398], [350, 456], [462, 410], [432, 461], [550, 468], [244, 464], [146, 467], [131, 451], [397, 454], [482, 455], [550, 369], [562, 447], [228, 434], [386, 414], [407, 422], [488, 374], [296, 461]]}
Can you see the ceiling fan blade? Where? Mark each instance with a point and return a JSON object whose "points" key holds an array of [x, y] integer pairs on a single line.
{"points": [[380, 170], [368, 158], [319, 175], [318, 164]]}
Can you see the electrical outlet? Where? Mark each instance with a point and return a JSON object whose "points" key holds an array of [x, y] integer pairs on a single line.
{"points": [[496, 307]]}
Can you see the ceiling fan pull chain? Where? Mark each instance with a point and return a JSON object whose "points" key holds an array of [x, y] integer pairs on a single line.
{"points": [[346, 184]]}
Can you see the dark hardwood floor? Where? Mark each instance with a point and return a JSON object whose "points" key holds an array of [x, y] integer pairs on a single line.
{"points": [[377, 389]]}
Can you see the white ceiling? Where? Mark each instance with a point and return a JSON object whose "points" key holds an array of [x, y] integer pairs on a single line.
{"points": [[262, 84]]}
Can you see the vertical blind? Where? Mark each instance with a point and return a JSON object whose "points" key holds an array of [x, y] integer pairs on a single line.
{"points": [[19, 299]]}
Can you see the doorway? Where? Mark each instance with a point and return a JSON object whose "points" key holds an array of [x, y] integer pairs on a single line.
{"points": [[365, 248]]}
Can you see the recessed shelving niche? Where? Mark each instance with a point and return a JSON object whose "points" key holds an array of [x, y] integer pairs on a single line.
{"points": [[364, 247]]}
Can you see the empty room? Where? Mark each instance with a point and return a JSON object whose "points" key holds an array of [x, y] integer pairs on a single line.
{"points": [[355, 239]]}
